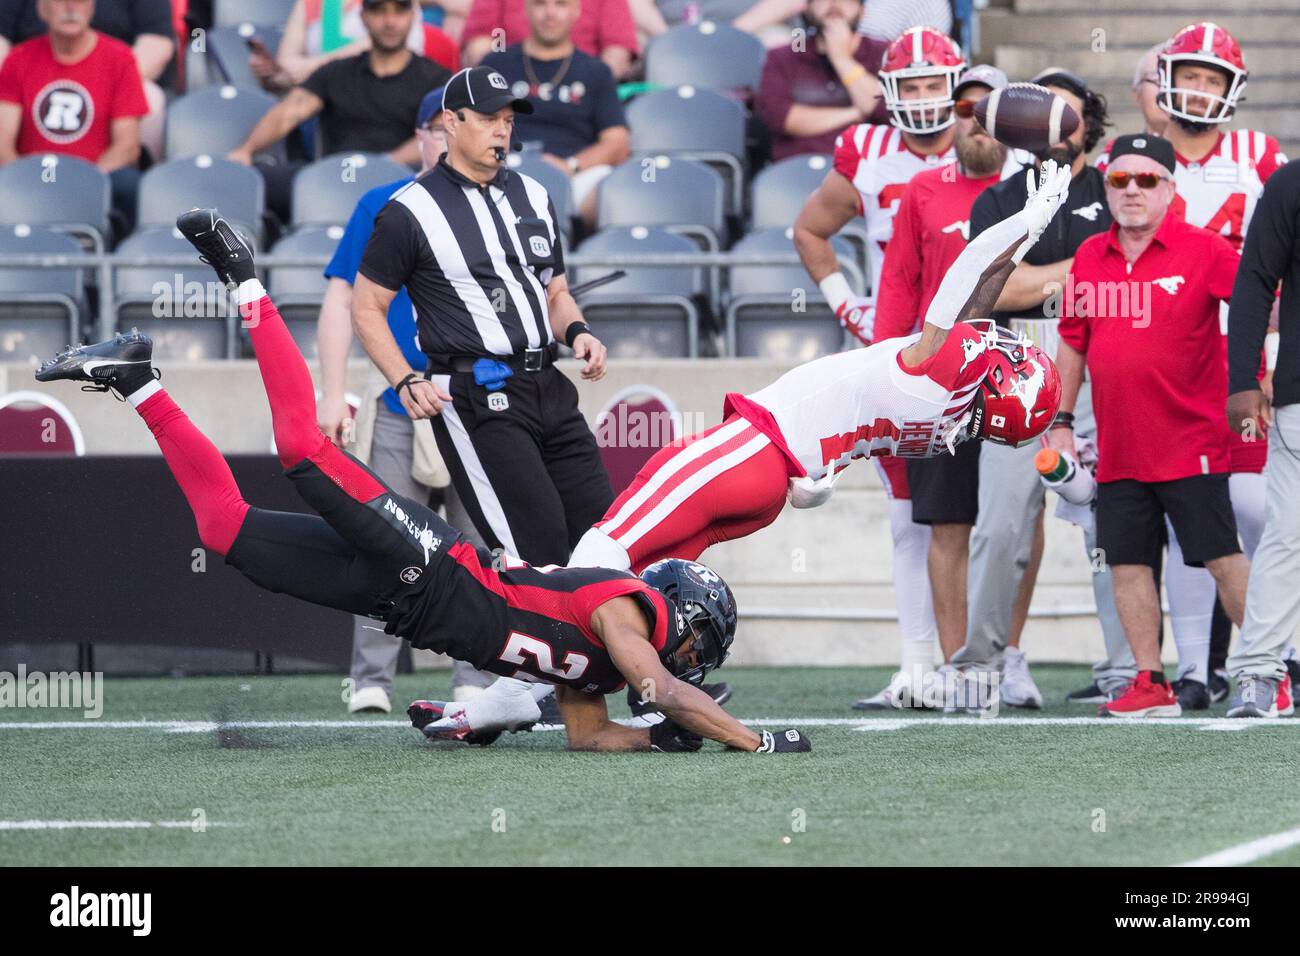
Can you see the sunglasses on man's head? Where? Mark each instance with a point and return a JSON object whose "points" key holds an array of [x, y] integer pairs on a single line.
{"points": [[1144, 180]]}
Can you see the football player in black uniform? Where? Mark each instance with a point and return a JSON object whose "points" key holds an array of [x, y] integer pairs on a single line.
{"points": [[370, 551]]}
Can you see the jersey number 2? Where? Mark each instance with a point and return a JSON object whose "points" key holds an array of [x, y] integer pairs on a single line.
{"points": [[520, 647]]}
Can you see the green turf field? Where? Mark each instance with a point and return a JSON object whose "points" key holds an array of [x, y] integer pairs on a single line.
{"points": [[956, 791]]}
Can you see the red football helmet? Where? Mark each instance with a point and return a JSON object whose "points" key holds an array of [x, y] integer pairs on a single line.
{"points": [[1021, 392], [920, 52], [1209, 45]]}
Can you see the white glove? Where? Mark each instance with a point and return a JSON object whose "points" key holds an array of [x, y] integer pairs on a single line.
{"points": [[858, 315], [1045, 195], [806, 493]]}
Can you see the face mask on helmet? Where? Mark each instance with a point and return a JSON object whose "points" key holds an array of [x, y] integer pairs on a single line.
{"points": [[704, 624], [1020, 394], [920, 53], [1205, 45]]}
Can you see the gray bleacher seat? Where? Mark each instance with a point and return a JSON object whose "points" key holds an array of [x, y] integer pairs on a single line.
{"points": [[225, 55], [653, 311], [708, 54], [779, 191], [184, 309], [326, 192], [215, 120], [40, 309], [63, 193], [556, 183], [778, 312], [679, 195], [168, 190], [299, 290], [271, 13], [693, 123]]}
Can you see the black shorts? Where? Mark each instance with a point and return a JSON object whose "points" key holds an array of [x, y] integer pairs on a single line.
{"points": [[946, 489], [1131, 513]]}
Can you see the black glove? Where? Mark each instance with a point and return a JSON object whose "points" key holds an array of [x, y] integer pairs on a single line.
{"points": [[669, 737], [784, 742]]}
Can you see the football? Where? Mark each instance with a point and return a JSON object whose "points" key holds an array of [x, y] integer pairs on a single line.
{"points": [[1026, 116]]}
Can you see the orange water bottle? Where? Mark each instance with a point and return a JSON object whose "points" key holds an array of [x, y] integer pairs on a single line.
{"points": [[1060, 473]]}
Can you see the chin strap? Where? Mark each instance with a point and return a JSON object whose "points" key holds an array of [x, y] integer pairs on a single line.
{"points": [[956, 432]]}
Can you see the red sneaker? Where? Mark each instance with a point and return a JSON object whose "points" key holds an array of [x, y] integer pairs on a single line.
{"points": [[1143, 699], [1285, 700]]}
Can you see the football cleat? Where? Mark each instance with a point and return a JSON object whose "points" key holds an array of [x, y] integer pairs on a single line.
{"points": [[1191, 694], [104, 364], [218, 245], [647, 714], [1144, 698], [898, 693]]}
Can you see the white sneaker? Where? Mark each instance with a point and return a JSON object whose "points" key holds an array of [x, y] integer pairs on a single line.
{"points": [[896, 695], [1018, 688], [371, 698]]}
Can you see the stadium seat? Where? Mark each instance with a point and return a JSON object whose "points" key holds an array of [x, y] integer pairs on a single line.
{"points": [[184, 309], [715, 56], [63, 193], [40, 309], [694, 124], [225, 55], [779, 191], [269, 13], [531, 164], [679, 195], [777, 312], [634, 424], [652, 312], [199, 181], [326, 192], [33, 423], [215, 120], [299, 290]]}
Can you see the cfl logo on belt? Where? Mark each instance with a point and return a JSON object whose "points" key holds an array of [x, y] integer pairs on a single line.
{"points": [[540, 246], [498, 402]]}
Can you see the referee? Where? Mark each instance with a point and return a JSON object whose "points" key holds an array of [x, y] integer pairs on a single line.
{"points": [[478, 249]]}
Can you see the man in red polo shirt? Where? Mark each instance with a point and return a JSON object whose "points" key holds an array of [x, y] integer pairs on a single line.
{"points": [[931, 228], [74, 91], [1142, 308]]}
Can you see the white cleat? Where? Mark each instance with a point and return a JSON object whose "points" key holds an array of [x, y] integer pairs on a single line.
{"points": [[371, 699], [507, 705], [897, 694], [1018, 688]]}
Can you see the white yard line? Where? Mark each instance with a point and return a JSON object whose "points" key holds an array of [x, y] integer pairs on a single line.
{"points": [[1244, 853], [104, 824], [868, 724]]}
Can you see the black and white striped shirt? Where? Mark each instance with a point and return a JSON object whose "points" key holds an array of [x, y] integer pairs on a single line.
{"points": [[476, 260]]}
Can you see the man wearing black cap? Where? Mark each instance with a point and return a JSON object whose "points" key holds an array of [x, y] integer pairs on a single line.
{"points": [[1007, 543], [1141, 306], [478, 249]]}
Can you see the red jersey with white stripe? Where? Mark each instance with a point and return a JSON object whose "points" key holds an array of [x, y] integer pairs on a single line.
{"points": [[865, 403], [521, 621], [1219, 193], [879, 163]]}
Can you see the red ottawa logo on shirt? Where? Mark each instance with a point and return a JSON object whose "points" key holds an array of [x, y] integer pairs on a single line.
{"points": [[63, 111]]}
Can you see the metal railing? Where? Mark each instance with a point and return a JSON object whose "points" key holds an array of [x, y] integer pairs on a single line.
{"points": [[104, 266]]}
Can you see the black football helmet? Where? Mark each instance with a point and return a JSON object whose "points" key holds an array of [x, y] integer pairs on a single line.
{"points": [[706, 614]]}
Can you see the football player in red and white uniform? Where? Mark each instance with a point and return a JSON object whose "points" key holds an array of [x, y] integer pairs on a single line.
{"points": [[1200, 76], [873, 165]]}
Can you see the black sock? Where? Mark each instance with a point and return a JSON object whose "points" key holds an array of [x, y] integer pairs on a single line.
{"points": [[133, 377], [1157, 677]]}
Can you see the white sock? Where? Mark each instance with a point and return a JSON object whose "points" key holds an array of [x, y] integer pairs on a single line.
{"points": [[1191, 610], [598, 550], [144, 392], [917, 631]]}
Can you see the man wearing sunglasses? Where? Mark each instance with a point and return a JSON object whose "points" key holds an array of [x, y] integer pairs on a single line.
{"points": [[1141, 307], [1006, 545]]}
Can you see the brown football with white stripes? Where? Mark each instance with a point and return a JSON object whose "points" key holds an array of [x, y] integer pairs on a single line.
{"points": [[1026, 116]]}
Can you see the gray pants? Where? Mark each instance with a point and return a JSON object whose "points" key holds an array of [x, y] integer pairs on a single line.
{"points": [[374, 653], [1011, 499], [1272, 597]]}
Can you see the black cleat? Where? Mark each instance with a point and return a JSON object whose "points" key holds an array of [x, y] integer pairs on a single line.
{"points": [[1191, 694], [218, 244], [720, 692], [105, 365], [1219, 687], [1086, 695], [550, 708]]}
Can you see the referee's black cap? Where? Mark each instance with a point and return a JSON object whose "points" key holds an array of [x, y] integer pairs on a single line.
{"points": [[483, 90]]}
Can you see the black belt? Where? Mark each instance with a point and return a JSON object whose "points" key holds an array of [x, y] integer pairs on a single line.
{"points": [[529, 360]]}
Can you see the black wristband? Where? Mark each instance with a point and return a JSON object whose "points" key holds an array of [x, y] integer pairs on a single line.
{"points": [[405, 383], [574, 330], [1063, 420]]}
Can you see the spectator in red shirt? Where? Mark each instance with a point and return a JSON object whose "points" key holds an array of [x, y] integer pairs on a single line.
{"points": [[1142, 309], [77, 92], [931, 229], [814, 88], [604, 29]]}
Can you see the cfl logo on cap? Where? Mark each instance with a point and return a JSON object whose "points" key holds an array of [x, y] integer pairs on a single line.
{"points": [[1140, 143], [497, 81], [540, 246]]}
